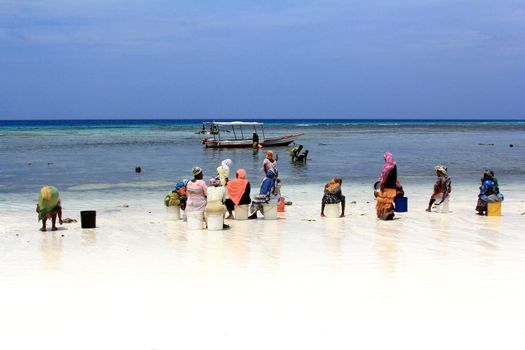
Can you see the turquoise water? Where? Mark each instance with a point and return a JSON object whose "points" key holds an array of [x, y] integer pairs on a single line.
{"points": [[102, 155]]}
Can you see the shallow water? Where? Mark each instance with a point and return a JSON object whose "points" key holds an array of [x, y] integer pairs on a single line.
{"points": [[103, 155]]}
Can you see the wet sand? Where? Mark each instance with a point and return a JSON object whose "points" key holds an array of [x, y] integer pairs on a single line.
{"points": [[140, 281]]}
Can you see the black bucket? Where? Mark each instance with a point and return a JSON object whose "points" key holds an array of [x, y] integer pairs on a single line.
{"points": [[88, 219]]}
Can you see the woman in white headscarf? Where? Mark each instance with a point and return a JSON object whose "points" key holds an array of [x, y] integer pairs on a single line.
{"points": [[224, 171]]}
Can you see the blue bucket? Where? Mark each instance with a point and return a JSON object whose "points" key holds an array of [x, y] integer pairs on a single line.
{"points": [[401, 204]]}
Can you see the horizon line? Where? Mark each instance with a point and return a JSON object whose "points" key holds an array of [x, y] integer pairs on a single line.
{"points": [[393, 118]]}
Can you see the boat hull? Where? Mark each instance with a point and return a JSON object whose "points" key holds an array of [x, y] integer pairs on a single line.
{"points": [[267, 142]]}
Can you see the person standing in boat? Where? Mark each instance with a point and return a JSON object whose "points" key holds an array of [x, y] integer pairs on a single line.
{"points": [[255, 141]]}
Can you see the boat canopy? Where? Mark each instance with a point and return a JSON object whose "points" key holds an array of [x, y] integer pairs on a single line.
{"points": [[236, 123]]}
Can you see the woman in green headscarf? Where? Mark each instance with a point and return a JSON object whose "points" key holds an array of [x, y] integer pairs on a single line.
{"points": [[49, 206]]}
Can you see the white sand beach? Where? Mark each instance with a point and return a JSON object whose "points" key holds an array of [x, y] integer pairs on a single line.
{"points": [[139, 281]]}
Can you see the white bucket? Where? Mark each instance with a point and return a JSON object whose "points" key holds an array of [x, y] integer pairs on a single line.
{"points": [[195, 220], [215, 221], [332, 210], [173, 213], [270, 211], [241, 212], [443, 207]]}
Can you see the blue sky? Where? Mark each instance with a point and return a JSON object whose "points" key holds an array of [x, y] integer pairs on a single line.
{"points": [[262, 59]]}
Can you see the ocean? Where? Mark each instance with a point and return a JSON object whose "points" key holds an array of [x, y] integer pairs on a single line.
{"points": [[101, 155]]}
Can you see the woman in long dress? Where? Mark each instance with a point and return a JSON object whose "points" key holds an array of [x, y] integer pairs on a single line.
{"points": [[196, 192], [387, 189]]}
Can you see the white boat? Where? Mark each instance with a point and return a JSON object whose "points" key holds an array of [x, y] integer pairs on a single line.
{"points": [[241, 134]]}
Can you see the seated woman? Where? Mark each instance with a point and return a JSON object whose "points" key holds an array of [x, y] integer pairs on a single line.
{"points": [[238, 191], [196, 191], [49, 207], [387, 192], [216, 197], [333, 195], [488, 192], [269, 193], [223, 172], [442, 187], [177, 197]]}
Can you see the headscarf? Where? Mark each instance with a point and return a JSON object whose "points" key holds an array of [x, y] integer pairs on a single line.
{"points": [[268, 183], [47, 201], [334, 185], [488, 174], [441, 168], [214, 181], [390, 163], [227, 163], [196, 171], [237, 186]]}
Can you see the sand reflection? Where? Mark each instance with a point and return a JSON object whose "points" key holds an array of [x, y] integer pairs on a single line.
{"points": [[51, 251], [88, 238], [334, 234], [270, 241], [387, 241]]}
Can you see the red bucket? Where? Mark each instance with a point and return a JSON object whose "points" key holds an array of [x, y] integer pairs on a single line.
{"points": [[280, 206]]}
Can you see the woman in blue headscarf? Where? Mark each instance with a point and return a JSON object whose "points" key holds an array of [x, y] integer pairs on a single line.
{"points": [[488, 192], [268, 194]]}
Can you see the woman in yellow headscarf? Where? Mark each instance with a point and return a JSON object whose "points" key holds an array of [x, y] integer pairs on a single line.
{"points": [[49, 206]]}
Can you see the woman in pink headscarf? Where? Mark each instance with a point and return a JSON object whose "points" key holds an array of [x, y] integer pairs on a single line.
{"points": [[387, 189], [388, 176]]}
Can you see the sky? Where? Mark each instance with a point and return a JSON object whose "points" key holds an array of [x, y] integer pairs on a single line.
{"points": [[63, 59]]}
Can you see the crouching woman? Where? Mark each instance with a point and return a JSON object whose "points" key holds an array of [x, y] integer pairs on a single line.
{"points": [[488, 192]]}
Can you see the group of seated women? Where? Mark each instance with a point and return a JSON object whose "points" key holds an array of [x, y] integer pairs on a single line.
{"points": [[224, 194]]}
